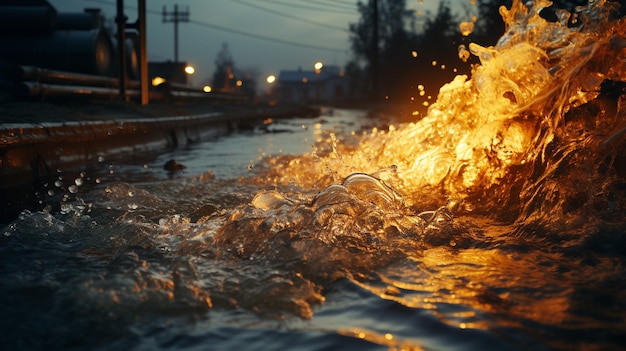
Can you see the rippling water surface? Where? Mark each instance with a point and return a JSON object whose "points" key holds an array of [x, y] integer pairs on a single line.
{"points": [[496, 222]]}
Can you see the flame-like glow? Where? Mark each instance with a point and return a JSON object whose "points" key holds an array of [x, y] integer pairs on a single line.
{"points": [[504, 116]]}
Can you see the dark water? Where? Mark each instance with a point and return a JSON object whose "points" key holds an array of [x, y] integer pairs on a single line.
{"points": [[494, 223], [138, 266]]}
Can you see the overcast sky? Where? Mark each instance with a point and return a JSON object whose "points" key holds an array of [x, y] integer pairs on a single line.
{"points": [[264, 35]]}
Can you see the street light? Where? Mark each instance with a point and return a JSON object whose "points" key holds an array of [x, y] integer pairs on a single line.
{"points": [[156, 81], [190, 70], [318, 66], [271, 79]]}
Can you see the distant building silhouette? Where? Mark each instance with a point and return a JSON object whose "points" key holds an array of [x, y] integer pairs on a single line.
{"points": [[325, 85]]}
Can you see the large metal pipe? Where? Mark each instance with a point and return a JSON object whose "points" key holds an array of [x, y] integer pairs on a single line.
{"points": [[90, 19], [69, 50], [36, 89], [47, 90], [42, 75], [28, 18], [131, 55]]}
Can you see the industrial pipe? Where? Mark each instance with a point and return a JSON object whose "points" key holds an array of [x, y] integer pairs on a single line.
{"points": [[82, 51], [42, 75], [27, 18], [90, 19]]}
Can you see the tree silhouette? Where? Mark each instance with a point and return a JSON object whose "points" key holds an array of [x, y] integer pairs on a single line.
{"points": [[224, 76], [393, 23], [413, 66]]}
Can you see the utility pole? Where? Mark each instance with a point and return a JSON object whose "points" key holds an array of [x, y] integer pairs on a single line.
{"points": [[175, 17], [120, 19], [375, 75], [140, 27], [143, 52]]}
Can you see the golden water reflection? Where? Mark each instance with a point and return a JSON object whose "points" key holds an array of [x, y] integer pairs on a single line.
{"points": [[486, 288]]}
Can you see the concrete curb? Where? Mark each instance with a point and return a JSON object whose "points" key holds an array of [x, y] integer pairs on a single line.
{"points": [[31, 154]]}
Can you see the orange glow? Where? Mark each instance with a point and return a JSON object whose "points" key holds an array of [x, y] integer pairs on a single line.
{"points": [[477, 130], [387, 339], [156, 81], [466, 28]]}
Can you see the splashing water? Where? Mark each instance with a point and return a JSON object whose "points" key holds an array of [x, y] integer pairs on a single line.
{"points": [[530, 139], [496, 221], [529, 108]]}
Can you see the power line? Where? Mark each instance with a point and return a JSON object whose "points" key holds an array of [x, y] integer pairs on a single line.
{"points": [[262, 37], [175, 17], [333, 4], [307, 7], [324, 25], [236, 31]]}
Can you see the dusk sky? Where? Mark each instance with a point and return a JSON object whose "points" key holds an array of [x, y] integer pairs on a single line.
{"points": [[263, 35]]}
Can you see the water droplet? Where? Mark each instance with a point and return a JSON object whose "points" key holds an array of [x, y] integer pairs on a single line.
{"points": [[66, 208], [466, 28], [58, 183], [100, 159], [98, 181], [133, 206], [72, 189], [78, 181], [50, 192], [464, 54]]}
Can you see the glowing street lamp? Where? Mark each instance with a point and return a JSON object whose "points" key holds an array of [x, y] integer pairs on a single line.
{"points": [[207, 89], [271, 79], [190, 71], [156, 81], [318, 66]]}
